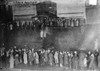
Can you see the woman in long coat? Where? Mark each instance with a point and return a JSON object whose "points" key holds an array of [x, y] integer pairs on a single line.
{"points": [[75, 60], [61, 59], [51, 58], [93, 62], [25, 58], [81, 60], [85, 61], [65, 59], [46, 57], [30, 57], [70, 56], [16, 59], [11, 61], [36, 58]]}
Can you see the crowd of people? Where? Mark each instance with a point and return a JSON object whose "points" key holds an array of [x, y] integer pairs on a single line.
{"points": [[67, 59], [38, 24]]}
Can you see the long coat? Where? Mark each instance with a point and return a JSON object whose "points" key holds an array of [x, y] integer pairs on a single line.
{"points": [[36, 58], [70, 61], [81, 60], [50, 58], [25, 58], [65, 59], [75, 62], [16, 59], [61, 58], [11, 61], [92, 62]]}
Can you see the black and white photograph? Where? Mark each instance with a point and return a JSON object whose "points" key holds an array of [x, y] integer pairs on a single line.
{"points": [[49, 35]]}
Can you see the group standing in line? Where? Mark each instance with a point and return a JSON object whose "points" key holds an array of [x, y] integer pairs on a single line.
{"points": [[68, 59]]}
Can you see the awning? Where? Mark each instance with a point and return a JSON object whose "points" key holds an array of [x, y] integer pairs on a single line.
{"points": [[24, 11], [71, 8]]}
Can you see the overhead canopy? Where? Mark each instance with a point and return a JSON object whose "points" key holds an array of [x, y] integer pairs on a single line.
{"points": [[70, 8], [46, 8], [24, 11]]}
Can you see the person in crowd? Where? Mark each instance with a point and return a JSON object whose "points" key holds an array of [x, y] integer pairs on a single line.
{"points": [[56, 58], [96, 54], [66, 59], [75, 60], [46, 57], [92, 62], [42, 57], [4, 62], [36, 58], [7, 57], [16, 59], [51, 58], [33, 56], [20, 55], [70, 56], [81, 60], [61, 59], [88, 58], [39, 53], [11, 60], [25, 57], [85, 61], [30, 57], [11, 26]]}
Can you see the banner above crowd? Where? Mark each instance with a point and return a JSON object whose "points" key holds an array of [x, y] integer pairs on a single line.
{"points": [[70, 8], [31, 1], [24, 10]]}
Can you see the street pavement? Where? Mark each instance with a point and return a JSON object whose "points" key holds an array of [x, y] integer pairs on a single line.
{"points": [[23, 67], [41, 68]]}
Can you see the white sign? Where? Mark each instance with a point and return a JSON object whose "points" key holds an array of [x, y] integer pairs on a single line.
{"points": [[70, 8], [92, 2], [24, 10]]}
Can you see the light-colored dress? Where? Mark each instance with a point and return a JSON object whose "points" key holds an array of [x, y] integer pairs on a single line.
{"points": [[85, 62], [61, 59], [11, 61], [56, 57], [36, 58], [25, 58]]}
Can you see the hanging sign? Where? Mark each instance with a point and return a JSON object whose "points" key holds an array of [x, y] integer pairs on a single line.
{"points": [[24, 10], [70, 8], [92, 2]]}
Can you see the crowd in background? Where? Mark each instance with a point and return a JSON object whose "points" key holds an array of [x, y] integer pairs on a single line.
{"points": [[38, 24], [41, 57]]}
